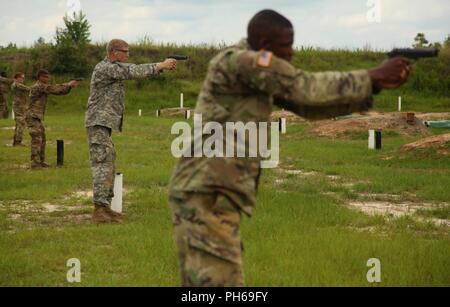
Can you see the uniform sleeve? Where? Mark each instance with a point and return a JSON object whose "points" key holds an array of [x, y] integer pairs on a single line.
{"points": [[20, 87], [311, 95], [56, 89], [6, 81], [124, 71]]}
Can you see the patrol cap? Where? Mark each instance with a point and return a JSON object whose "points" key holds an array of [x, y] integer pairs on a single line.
{"points": [[116, 44]]}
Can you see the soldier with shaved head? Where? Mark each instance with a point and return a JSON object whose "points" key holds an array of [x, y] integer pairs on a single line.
{"points": [[208, 196]]}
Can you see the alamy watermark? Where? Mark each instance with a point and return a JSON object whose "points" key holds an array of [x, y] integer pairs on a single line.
{"points": [[74, 273], [73, 7], [374, 273], [240, 140], [374, 12]]}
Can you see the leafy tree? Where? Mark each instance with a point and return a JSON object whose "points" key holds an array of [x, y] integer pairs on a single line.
{"points": [[447, 42], [69, 52], [40, 42], [420, 40]]}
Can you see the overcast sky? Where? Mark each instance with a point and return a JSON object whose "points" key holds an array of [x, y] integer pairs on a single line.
{"points": [[319, 23]]}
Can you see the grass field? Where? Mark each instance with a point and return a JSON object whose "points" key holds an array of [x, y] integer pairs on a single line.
{"points": [[303, 232]]}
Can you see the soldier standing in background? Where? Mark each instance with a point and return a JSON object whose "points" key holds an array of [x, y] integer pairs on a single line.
{"points": [[4, 82], [20, 106], [104, 113], [208, 195], [38, 100]]}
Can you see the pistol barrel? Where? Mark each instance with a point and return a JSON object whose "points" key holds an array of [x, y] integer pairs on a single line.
{"points": [[178, 57], [416, 53]]}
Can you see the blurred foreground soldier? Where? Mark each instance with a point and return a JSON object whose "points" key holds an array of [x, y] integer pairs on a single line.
{"points": [[39, 93], [20, 106], [105, 113], [4, 83], [208, 195]]}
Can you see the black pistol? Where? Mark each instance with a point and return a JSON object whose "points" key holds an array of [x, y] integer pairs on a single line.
{"points": [[414, 53], [178, 57], [77, 79]]}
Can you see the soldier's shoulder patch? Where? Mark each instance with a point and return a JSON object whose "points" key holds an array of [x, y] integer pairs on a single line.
{"points": [[264, 58]]}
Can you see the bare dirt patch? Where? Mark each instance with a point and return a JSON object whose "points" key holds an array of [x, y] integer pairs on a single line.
{"points": [[290, 117], [392, 209], [372, 120], [387, 205], [433, 116], [175, 112], [440, 143]]}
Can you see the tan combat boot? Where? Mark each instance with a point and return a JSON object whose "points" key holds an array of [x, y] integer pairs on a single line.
{"points": [[36, 165], [45, 165], [102, 215], [113, 213]]}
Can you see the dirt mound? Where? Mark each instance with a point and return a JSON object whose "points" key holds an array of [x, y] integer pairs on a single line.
{"points": [[290, 117], [373, 120], [441, 143], [433, 116], [173, 112]]}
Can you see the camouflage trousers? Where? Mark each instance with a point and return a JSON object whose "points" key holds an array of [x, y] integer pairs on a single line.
{"points": [[38, 140], [20, 126], [102, 156], [207, 236]]}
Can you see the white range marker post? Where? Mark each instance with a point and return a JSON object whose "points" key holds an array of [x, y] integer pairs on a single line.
{"points": [[187, 114], [140, 112], [13, 115], [371, 139], [116, 203], [399, 103], [282, 123], [181, 100], [158, 113]]}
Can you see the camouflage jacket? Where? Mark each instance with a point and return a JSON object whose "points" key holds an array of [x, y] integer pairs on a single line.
{"points": [[39, 93], [242, 85], [106, 103], [4, 83], [20, 95]]}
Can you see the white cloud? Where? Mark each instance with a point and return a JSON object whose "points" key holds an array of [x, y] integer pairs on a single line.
{"points": [[352, 21], [135, 13]]}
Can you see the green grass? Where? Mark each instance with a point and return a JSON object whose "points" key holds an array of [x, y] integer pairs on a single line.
{"points": [[300, 235]]}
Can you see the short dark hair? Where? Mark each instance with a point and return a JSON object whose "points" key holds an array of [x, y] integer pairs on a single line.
{"points": [[18, 75], [42, 72], [3, 74], [264, 24]]}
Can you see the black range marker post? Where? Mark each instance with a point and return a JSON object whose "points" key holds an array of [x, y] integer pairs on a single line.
{"points": [[378, 139], [60, 153]]}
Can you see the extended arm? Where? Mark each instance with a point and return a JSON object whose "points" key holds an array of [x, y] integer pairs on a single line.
{"points": [[124, 71], [318, 95], [6, 81]]}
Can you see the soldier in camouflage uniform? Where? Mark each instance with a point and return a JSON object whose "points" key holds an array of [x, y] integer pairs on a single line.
{"points": [[208, 195], [20, 107], [4, 83], [39, 93], [105, 113]]}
